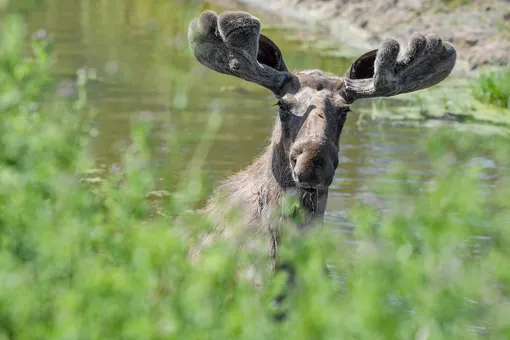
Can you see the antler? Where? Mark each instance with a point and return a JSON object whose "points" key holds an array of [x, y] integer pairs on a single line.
{"points": [[424, 63], [232, 44]]}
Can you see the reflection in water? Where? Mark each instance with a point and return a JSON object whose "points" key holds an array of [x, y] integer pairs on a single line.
{"points": [[140, 52]]}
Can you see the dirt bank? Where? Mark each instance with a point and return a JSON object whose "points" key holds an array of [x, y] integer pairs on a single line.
{"points": [[480, 30]]}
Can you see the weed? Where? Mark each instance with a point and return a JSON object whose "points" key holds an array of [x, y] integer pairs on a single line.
{"points": [[85, 261], [493, 88]]}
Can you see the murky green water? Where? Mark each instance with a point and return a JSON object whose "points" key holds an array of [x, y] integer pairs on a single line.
{"points": [[139, 50]]}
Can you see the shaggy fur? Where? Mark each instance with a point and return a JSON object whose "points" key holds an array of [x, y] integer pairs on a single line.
{"points": [[303, 154]]}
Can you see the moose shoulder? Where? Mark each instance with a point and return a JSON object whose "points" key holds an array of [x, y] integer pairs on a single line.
{"points": [[303, 153]]}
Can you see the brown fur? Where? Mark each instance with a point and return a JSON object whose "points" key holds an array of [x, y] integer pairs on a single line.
{"points": [[303, 153]]}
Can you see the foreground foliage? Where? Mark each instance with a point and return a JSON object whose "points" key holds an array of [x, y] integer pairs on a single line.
{"points": [[100, 261]]}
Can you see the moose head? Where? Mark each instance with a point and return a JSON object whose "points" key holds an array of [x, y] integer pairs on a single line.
{"points": [[313, 105]]}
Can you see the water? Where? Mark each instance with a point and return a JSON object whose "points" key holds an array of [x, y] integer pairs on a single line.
{"points": [[139, 50]]}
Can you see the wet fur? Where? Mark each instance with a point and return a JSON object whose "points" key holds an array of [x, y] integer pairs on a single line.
{"points": [[257, 191], [304, 147]]}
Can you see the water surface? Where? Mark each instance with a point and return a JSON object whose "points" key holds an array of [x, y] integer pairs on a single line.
{"points": [[139, 51]]}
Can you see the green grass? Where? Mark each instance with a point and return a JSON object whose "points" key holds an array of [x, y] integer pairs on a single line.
{"points": [[82, 260], [456, 3], [493, 88]]}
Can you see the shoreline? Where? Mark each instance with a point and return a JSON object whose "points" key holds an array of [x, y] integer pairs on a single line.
{"points": [[479, 30], [451, 103]]}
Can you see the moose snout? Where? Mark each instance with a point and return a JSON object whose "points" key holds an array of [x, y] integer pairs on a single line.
{"points": [[313, 167]]}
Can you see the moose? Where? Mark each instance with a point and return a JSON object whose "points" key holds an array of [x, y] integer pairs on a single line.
{"points": [[302, 155]]}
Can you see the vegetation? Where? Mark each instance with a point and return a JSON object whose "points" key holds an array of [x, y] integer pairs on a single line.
{"points": [[493, 88], [456, 3], [476, 104], [98, 260]]}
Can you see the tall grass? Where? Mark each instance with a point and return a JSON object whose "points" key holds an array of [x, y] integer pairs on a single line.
{"points": [[493, 88], [456, 3], [99, 261]]}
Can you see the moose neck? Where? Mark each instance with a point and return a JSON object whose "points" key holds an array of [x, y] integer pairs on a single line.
{"points": [[312, 201]]}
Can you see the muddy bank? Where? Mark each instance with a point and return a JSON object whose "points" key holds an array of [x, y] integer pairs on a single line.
{"points": [[480, 30], [480, 39]]}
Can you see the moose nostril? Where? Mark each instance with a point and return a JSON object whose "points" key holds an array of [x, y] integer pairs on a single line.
{"points": [[293, 157], [293, 160], [302, 177], [294, 154], [307, 177]]}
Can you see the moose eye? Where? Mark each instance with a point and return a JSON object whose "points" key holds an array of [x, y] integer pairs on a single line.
{"points": [[284, 110], [281, 105], [343, 111]]}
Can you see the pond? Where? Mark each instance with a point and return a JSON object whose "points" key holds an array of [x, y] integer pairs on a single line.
{"points": [[139, 50]]}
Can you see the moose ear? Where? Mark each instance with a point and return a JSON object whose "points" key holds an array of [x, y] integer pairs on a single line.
{"points": [[363, 67], [269, 54]]}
